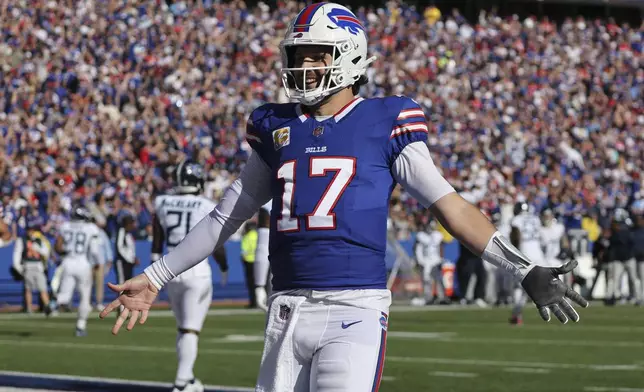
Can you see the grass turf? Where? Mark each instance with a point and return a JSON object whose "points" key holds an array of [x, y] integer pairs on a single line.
{"points": [[453, 350]]}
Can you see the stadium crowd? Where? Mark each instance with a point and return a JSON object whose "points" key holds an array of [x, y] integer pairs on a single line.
{"points": [[99, 98]]}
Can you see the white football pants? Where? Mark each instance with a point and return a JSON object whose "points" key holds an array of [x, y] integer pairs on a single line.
{"points": [[322, 341], [190, 300]]}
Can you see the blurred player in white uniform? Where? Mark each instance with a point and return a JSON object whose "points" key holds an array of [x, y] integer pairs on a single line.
{"points": [[525, 235], [78, 243], [262, 270], [191, 292], [429, 256], [553, 236], [500, 282]]}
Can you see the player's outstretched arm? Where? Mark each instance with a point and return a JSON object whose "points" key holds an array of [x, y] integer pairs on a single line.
{"points": [[238, 204], [416, 172], [474, 230]]}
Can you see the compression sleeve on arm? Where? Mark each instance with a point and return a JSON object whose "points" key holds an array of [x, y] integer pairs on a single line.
{"points": [[238, 204], [416, 172], [500, 252]]}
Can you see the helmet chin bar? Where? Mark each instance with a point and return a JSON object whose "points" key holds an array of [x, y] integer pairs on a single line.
{"points": [[330, 83]]}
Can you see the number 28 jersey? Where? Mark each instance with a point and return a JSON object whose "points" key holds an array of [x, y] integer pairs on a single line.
{"points": [[332, 180], [177, 215], [81, 241]]}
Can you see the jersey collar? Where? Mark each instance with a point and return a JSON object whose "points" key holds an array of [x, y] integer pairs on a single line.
{"points": [[338, 116]]}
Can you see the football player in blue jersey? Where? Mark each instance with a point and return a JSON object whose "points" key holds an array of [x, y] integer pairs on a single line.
{"points": [[330, 161]]}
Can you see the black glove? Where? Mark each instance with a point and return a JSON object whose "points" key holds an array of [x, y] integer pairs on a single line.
{"points": [[549, 293]]}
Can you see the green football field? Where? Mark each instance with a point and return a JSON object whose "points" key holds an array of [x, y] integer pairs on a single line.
{"points": [[429, 349]]}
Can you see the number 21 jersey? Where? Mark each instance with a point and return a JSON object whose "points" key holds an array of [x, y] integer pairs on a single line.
{"points": [[177, 215]]}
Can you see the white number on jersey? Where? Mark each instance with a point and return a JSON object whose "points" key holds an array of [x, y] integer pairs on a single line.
{"points": [[75, 242], [529, 226], [77, 237], [182, 223], [322, 217]]}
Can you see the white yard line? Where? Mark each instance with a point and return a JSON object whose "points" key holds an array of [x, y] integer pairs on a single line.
{"points": [[152, 314], [244, 312], [453, 374], [444, 361], [612, 389], [442, 337], [526, 370], [449, 337]]}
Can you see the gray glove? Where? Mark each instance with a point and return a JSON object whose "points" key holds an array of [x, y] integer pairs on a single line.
{"points": [[549, 293]]}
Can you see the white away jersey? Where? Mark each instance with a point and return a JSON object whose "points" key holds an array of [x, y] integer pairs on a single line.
{"points": [[428, 247], [529, 226], [551, 237], [82, 242], [178, 214]]}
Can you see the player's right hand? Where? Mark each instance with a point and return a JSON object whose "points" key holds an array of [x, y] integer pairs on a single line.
{"points": [[136, 295]]}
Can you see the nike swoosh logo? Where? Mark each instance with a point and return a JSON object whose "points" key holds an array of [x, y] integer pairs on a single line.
{"points": [[345, 325]]}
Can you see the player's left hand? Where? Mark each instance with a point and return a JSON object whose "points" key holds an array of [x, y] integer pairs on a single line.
{"points": [[550, 294], [136, 295], [224, 278]]}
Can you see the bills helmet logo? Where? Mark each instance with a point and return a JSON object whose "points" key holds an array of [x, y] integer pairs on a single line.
{"points": [[346, 20]]}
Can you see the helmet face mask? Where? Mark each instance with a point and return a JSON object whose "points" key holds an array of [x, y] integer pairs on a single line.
{"points": [[317, 26], [311, 61]]}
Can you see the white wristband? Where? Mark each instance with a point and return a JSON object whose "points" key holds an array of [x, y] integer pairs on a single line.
{"points": [[500, 252], [159, 274]]}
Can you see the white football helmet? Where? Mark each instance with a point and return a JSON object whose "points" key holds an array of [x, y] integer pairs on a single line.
{"points": [[332, 25]]}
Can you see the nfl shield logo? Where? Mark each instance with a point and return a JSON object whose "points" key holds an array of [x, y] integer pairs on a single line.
{"points": [[281, 137], [319, 130], [285, 312]]}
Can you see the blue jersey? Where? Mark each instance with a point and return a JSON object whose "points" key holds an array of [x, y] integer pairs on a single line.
{"points": [[331, 188]]}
